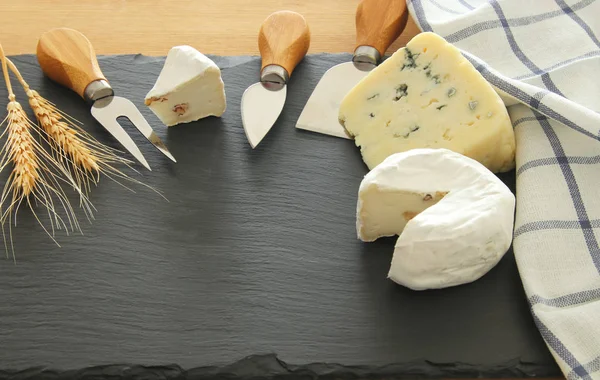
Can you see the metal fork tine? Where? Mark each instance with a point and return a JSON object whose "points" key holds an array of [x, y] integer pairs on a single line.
{"points": [[103, 111], [126, 108]]}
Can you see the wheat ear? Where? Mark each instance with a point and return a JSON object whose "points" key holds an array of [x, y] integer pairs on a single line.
{"points": [[78, 151], [35, 176]]}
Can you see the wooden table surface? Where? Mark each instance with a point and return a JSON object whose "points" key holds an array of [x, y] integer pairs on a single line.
{"points": [[152, 27]]}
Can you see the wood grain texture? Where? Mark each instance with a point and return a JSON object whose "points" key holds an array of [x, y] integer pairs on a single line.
{"points": [[254, 253], [67, 56], [151, 27], [283, 40], [380, 22]]}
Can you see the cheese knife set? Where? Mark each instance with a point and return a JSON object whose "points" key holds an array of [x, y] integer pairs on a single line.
{"points": [[425, 113], [67, 57]]}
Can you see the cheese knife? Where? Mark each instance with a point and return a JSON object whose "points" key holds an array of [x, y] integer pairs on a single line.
{"points": [[67, 57], [283, 40], [378, 24]]}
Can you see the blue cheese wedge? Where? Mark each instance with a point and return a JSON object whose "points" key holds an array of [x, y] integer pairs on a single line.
{"points": [[188, 88], [427, 95], [453, 216]]}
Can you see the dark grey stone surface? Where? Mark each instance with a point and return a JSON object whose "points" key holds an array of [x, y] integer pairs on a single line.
{"points": [[254, 254]]}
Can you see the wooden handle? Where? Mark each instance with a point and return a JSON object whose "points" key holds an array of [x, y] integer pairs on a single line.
{"points": [[67, 57], [283, 40], [380, 22]]}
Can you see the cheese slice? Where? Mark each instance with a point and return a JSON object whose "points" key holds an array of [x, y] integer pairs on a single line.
{"points": [[188, 88], [427, 95], [454, 217]]}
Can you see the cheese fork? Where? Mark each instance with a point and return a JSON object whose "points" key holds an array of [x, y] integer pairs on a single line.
{"points": [[67, 57]]}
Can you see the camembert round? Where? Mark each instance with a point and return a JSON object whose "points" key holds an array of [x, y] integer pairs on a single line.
{"points": [[454, 217]]}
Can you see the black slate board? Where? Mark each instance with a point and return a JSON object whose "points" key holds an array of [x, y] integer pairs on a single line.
{"points": [[254, 261]]}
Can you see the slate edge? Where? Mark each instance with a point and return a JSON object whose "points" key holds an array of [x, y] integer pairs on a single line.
{"points": [[269, 366]]}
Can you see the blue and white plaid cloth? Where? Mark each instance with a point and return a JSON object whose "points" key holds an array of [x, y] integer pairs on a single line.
{"points": [[543, 57]]}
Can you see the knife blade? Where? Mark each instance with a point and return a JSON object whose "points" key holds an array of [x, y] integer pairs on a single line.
{"points": [[67, 57], [283, 41], [378, 24]]}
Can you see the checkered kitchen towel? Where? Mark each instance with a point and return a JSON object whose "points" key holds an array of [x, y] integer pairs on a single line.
{"points": [[543, 57]]}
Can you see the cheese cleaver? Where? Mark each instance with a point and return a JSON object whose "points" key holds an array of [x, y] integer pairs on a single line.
{"points": [[283, 41], [67, 57], [378, 24]]}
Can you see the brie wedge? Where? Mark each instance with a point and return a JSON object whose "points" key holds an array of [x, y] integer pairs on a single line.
{"points": [[427, 95], [188, 88], [454, 217]]}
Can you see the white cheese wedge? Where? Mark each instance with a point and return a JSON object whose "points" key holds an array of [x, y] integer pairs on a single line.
{"points": [[454, 217], [188, 88], [427, 95]]}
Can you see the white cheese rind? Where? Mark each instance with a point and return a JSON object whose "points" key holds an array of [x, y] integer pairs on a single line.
{"points": [[427, 95], [462, 216], [188, 88]]}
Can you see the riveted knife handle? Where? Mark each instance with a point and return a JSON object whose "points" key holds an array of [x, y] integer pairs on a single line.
{"points": [[380, 22], [283, 40], [67, 57]]}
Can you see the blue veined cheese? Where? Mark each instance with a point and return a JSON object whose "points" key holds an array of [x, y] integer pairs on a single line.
{"points": [[427, 95], [453, 216], [188, 88]]}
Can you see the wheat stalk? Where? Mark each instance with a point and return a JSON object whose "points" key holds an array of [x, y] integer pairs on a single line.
{"points": [[76, 158], [74, 148], [35, 176]]}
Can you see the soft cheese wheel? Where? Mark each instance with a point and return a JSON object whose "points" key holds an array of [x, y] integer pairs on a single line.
{"points": [[188, 88], [427, 95], [454, 217]]}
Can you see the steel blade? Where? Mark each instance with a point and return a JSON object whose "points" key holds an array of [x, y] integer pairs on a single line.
{"points": [[102, 112], [320, 114], [119, 106], [260, 109]]}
